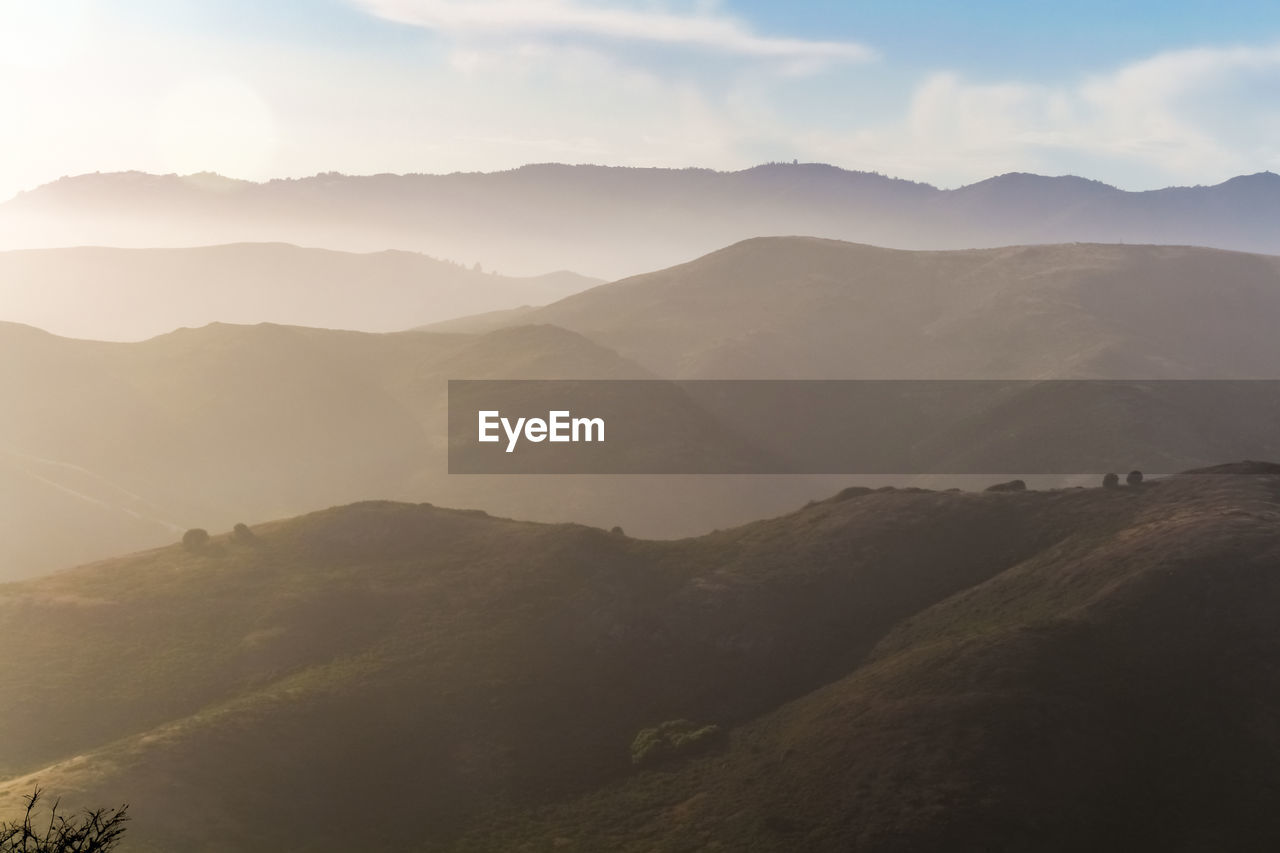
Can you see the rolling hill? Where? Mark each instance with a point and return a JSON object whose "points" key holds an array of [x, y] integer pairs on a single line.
{"points": [[1115, 691], [111, 447], [133, 294], [889, 670], [803, 308], [613, 222]]}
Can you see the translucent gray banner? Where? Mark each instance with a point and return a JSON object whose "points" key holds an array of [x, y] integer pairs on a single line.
{"points": [[1058, 427]]}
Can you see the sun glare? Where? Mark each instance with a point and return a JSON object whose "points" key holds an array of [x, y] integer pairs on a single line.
{"points": [[215, 123], [42, 35]]}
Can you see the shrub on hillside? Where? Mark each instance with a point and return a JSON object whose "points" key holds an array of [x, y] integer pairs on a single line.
{"points": [[1111, 481], [672, 739], [1134, 478], [1011, 486], [89, 832], [195, 539], [242, 533]]}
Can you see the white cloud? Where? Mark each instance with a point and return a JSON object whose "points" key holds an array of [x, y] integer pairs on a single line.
{"points": [[706, 28], [1197, 115], [577, 105], [1189, 116]]}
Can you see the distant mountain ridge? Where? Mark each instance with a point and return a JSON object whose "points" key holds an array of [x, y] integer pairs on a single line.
{"points": [[132, 294], [614, 221]]}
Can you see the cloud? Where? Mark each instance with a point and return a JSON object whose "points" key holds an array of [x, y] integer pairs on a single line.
{"points": [[1202, 114], [572, 104], [705, 29], [1187, 116]]}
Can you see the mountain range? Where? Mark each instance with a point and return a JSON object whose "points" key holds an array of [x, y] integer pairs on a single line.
{"points": [[109, 447], [883, 670], [613, 222], [642, 664]]}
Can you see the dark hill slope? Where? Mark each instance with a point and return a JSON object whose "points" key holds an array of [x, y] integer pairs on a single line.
{"points": [[900, 669], [1116, 691]]}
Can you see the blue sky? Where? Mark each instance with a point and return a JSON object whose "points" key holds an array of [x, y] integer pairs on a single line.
{"points": [[1138, 94]]}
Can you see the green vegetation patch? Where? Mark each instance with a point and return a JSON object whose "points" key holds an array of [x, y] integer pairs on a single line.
{"points": [[672, 739]]}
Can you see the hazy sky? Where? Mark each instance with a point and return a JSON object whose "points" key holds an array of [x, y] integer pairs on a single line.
{"points": [[1137, 94]]}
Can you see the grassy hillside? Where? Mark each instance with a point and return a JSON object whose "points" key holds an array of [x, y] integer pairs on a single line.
{"points": [[132, 294], [900, 670], [798, 307], [1114, 691]]}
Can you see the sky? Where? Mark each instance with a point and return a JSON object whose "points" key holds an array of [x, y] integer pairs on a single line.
{"points": [[1139, 94]]}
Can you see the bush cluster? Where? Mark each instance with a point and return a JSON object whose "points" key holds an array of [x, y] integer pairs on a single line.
{"points": [[671, 739], [1112, 480]]}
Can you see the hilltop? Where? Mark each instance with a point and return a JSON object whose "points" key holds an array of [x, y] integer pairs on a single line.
{"points": [[892, 670], [804, 308]]}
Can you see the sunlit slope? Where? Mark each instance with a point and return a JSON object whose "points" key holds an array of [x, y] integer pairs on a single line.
{"points": [[796, 307]]}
